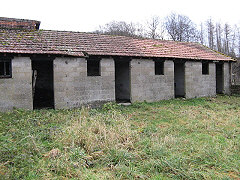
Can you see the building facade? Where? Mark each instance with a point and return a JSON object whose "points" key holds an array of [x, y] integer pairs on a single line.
{"points": [[56, 69]]}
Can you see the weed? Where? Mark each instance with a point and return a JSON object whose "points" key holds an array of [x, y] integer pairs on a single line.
{"points": [[170, 139]]}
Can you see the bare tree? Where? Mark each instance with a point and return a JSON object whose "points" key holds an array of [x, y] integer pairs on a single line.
{"points": [[180, 28], [172, 26], [153, 27], [233, 51], [201, 34], [223, 38], [120, 28], [210, 30], [219, 37], [227, 31]]}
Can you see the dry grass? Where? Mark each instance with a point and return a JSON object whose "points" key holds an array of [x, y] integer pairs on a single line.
{"points": [[98, 133]]}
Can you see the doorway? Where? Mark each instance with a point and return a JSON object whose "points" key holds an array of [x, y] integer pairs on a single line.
{"points": [[122, 80], [219, 78], [179, 79], [42, 81]]}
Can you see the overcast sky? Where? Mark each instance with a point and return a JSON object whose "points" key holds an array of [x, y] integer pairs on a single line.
{"points": [[87, 15]]}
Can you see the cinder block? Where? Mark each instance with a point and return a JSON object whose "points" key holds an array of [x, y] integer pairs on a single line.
{"points": [[82, 89], [17, 91]]}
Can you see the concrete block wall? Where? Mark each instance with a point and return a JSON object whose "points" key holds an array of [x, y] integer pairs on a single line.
{"points": [[145, 85], [73, 88], [235, 89], [16, 92], [198, 84], [226, 78]]}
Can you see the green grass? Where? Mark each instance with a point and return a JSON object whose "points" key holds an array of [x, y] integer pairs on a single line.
{"points": [[172, 139]]}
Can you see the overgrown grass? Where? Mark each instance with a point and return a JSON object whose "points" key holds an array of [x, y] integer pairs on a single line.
{"points": [[173, 139]]}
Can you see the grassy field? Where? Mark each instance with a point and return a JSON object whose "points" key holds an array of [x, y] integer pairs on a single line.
{"points": [[173, 139]]}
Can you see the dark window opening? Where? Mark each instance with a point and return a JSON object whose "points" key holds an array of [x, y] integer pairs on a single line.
{"points": [[205, 68], [93, 68], [5, 69], [159, 68]]}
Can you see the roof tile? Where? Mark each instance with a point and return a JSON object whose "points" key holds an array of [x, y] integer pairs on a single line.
{"points": [[75, 43]]}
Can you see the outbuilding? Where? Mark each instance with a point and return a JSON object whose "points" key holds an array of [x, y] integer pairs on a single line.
{"points": [[63, 69]]}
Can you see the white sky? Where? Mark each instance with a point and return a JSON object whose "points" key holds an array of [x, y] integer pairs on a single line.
{"points": [[87, 15]]}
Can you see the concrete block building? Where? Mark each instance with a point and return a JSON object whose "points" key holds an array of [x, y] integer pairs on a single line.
{"points": [[61, 69]]}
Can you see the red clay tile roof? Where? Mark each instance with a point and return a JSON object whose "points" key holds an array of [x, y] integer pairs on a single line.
{"points": [[77, 44]]}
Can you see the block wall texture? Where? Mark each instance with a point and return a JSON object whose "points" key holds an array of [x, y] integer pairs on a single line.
{"points": [[145, 85], [73, 88], [198, 84], [16, 92], [227, 78], [235, 89]]}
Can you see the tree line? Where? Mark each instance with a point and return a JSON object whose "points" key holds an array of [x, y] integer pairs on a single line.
{"points": [[218, 36]]}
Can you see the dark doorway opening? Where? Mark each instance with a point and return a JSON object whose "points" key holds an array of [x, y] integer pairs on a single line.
{"points": [[43, 93], [179, 79], [219, 78], [122, 80]]}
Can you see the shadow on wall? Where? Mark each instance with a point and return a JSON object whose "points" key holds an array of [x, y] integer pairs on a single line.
{"points": [[236, 73], [122, 81], [179, 79], [43, 96]]}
